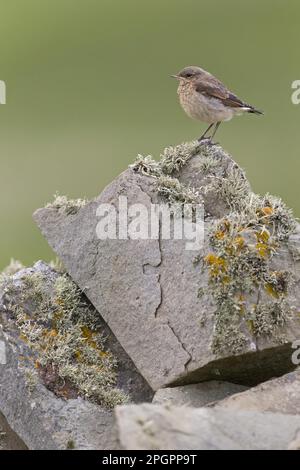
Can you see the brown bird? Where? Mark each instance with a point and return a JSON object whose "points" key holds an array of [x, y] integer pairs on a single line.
{"points": [[205, 98]]}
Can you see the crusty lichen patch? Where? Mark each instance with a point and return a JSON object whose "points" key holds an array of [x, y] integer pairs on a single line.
{"points": [[243, 244], [58, 325], [69, 206]]}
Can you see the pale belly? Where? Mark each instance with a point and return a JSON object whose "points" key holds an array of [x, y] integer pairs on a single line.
{"points": [[205, 109]]}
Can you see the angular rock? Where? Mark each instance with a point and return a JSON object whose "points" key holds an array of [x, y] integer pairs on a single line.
{"points": [[280, 395], [196, 395], [225, 312], [157, 427], [45, 422], [295, 444], [8, 438], [42, 394]]}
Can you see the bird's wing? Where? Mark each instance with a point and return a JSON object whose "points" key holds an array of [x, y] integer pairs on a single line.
{"points": [[215, 89]]}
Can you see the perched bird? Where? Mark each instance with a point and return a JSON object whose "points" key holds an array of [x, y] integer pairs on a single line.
{"points": [[205, 98]]}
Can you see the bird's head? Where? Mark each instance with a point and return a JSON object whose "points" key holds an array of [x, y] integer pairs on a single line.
{"points": [[189, 73]]}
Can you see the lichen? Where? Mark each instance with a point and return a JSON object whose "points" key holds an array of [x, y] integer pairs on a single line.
{"points": [[57, 265], [175, 192], [13, 267], [232, 189], [71, 445], [268, 319], [174, 158], [60, 327], [169, 187], [207, 163], [69, 206], [244, 244], [146, 165]]}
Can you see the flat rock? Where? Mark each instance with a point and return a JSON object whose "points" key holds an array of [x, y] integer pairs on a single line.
{"points": [[280, 395], [160, 303], [196, 395], [158, 427], [45, 411], [8, 438]]}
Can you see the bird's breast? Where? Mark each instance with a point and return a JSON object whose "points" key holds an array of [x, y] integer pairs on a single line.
{"points": [[201, 107]]}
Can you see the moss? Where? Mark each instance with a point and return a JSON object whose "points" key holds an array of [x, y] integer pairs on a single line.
{"points": [[56, 322], [69, 206]]}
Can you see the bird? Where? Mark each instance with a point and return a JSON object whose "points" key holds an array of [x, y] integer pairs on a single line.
{"points": [[205, 98]]}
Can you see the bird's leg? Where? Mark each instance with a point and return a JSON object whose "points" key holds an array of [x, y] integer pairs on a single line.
{"points": [[215, 130], [203, 135]]}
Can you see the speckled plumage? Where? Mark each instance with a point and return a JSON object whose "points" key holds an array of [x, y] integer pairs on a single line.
{"points": [[198, 106]]}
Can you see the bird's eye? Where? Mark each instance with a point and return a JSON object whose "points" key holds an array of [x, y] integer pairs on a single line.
{"points": [[188, 75]]}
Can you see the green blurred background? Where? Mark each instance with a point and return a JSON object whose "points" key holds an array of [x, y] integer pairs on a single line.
{"points": [[88, 88]]}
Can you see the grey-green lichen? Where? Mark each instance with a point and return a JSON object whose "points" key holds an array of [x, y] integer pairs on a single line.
{"points": [[269, 318], [146, 166], [172, 160], [62, 330], [243, 245], [232, 188], [57, 265], [175, 192], [69, 206], [12, 268]]}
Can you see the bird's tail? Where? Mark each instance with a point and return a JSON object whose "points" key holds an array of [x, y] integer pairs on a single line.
{"points": [[253, 110]]}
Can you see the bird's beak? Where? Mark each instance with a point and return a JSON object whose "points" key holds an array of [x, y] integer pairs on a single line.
{"points": [[175, 76]]}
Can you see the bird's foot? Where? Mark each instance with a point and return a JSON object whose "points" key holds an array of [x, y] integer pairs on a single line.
{"points": [[204, 140], [213, 143], [207, 141]]}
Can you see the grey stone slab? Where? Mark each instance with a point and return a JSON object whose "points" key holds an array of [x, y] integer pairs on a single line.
{"points": [[158, 427], [281, 395], [196, 395]]}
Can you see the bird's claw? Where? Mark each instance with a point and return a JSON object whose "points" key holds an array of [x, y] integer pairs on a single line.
{"points": [[207, 141]]}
